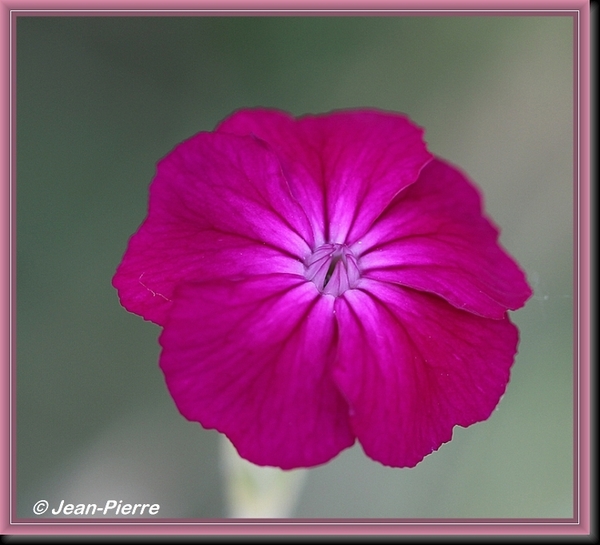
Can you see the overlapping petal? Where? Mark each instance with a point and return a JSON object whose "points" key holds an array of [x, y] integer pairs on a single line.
{"points": [[219, 206], [434, 237], [252, 359], [411, 367], [300, 160], [344, 167]]}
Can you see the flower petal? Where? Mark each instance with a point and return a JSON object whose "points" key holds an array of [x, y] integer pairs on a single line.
{"points": [[301, 161], [412, 367], [367, 158], [234, 184], [434, 237], [158, 259], [219, 206], [252, 359], [344, 167]]}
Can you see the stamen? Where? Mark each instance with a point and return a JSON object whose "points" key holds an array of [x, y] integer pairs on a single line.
{"points": [[333, 268]]}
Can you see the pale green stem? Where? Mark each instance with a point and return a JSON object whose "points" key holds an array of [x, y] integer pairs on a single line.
{"points": [[258, 492]]}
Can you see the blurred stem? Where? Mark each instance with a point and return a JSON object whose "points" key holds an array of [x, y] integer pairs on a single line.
{"points": [[258, 492]]}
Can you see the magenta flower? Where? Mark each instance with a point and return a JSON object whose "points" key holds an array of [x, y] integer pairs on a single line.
{"points": [[322, 280]]}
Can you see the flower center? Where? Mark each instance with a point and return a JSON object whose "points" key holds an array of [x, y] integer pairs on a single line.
{"points": [[333, 268]]}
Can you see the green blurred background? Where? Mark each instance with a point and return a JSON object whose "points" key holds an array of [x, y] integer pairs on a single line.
{"points": [[100, 100]]}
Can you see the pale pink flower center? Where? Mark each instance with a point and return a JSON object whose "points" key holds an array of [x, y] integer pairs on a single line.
{"points": [[333, 268]]}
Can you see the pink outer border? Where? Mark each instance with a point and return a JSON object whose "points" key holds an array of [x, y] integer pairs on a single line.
{"points": [[578, 9]]}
